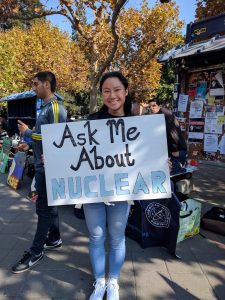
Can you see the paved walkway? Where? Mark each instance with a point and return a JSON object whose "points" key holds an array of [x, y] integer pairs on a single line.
{"points": [[147, 274]]}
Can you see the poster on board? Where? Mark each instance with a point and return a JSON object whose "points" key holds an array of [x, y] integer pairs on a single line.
{"points": [[182, 103], [216, 84], [106, 160]]}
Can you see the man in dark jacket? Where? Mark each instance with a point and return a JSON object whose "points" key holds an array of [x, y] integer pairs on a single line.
{"points": [[47, 234], [177, 147]]}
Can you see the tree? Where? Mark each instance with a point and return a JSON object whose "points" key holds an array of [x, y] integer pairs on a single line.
{"points": [[165, 91], [21, 7], [144, 34], [41, 47], [104, 16], [209, 8]]}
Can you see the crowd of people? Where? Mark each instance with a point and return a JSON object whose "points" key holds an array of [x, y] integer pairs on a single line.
{"points": [[102, 220]]}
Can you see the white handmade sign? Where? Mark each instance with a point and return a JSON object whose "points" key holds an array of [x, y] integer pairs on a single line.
{"points": [[106, 160]]}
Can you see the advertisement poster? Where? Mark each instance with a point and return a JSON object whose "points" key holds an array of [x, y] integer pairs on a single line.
{"points": [[102, 160], [221, 120], [219, 100], [192, 90], [201, 89], [210, 142], [214, 110], [210, 99], [216, 84], [182, 123], [196, 130], [221, 146], [212, 126], [196, 109], [182, 103]]}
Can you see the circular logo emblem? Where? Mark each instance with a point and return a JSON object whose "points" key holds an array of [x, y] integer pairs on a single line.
{"points": [[158, 215]]}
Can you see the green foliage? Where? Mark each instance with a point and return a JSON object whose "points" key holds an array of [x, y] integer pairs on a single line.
{"points": [[165, 91], [77, 104]]}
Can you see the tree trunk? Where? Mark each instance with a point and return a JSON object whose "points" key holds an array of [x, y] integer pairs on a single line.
{"points": [[93, 98]]}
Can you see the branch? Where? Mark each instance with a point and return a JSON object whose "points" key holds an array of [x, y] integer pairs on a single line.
{"points": [[35, 16], [119, 5], [75, 21]]}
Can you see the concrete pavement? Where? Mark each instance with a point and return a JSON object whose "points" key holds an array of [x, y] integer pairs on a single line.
{"points": [[147, 274]]}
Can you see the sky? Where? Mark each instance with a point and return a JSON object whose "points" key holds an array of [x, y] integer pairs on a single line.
{"points": [[187, 13]]}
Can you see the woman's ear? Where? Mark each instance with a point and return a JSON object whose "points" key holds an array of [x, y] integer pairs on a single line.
{"points": [[127, 92]]}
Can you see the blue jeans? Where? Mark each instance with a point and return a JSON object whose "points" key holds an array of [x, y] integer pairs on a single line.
{"points": [[96, 216], [48, 218]]}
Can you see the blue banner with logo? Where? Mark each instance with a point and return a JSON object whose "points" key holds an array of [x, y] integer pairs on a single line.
{"points": [[155, 223]]}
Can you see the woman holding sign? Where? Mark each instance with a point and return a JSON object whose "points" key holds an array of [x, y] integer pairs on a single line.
{"points": [[116, 103]]}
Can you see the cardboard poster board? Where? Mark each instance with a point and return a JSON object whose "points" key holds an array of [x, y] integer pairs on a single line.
{"points": [[106, 160]]}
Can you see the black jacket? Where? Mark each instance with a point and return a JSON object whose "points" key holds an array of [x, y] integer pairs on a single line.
{"points": [[175, 140]]}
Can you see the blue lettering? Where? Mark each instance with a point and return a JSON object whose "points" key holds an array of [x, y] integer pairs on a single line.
{"points": [[58, 188], [103, 191], [87, 190], [72, 193], [120, 184], [158, 178], [140, 184]]}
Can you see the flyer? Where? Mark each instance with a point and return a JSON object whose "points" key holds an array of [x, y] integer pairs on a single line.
{"points": [[196, 130], [213, 111], [210, 142], [192, 90], [221, 146], [182, 123], [212, 126], [201, 89], [210, 99], [182, 103], [216, 84], [196, 108], [221, 120]]}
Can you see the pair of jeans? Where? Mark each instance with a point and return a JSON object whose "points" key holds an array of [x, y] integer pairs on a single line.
{"points": [[97, 215], [48, 218]]}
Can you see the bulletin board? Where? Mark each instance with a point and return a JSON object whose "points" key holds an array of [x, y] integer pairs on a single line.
{"points": [[201, 113]]}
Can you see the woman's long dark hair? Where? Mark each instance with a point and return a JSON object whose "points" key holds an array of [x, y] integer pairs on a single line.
{"points": [[124, 81]]}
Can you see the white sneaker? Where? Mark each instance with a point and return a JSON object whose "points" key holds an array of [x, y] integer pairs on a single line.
{"points": [[99, 290], [112, 290]]}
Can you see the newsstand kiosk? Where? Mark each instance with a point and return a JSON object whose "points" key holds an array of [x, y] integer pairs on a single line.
{"points": [[199, 99]]}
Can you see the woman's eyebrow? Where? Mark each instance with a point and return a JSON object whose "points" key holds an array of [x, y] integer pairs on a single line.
{"points": [[115, 87]]}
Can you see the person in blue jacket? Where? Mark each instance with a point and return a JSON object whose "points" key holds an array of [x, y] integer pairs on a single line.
{"points": [[47, 234]]}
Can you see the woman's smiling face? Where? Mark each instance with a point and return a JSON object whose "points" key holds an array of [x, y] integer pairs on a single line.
{"points": [[114, 95]]}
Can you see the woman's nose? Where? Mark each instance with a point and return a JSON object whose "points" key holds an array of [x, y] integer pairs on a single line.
{"points": [[112, 94]]}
